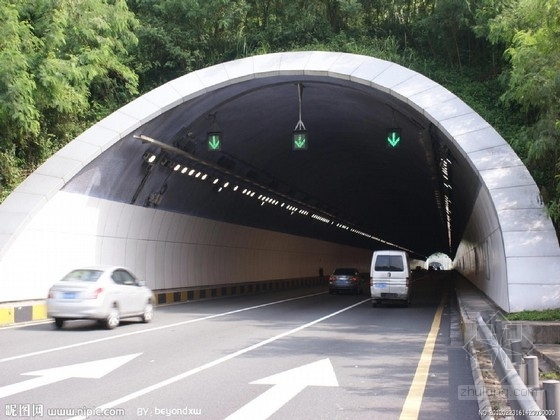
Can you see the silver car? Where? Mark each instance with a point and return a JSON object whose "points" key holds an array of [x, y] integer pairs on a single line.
{"points": [[104, 293]]}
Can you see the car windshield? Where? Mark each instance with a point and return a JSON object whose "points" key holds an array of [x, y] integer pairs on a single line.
{"points": [[83, 275], [344, 272], [389, 263]]}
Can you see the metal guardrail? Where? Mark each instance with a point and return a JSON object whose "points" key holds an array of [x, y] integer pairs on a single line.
{"points": [[527, 398]]}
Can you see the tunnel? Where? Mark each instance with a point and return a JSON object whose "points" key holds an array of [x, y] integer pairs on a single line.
{"points": [[284, 166]]}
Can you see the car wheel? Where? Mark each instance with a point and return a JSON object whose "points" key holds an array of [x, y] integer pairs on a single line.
{"points": [[58, 323], [113, 319], [148, 314]]}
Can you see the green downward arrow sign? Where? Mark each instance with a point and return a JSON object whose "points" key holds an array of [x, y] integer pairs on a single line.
{"points": [[299, 141], [214, 141], [393, 138]]}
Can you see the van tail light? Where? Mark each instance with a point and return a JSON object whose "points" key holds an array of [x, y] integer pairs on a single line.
{"points": [[50, 295], [331, 279], [408, 282]]}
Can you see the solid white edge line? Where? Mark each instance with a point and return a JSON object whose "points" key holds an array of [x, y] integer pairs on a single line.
{"points": [[216, 362]]}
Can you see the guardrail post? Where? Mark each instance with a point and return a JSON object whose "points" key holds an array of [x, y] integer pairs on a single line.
{"points": [[532, 363], [469, 331], [499, 331], [538, 396], [521, 369], [516, 351], [552, 398]]}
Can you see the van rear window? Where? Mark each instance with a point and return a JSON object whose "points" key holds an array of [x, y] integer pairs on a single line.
{"points": [[389, 263]]}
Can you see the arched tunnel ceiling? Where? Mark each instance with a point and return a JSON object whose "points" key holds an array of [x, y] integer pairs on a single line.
{"points": [[349, 174]]}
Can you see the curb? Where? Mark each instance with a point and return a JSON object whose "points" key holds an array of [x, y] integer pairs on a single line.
{"points": [[22, 312], [484, 405]]}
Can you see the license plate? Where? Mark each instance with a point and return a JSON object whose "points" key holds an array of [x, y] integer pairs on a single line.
{"points": [[69, 295], [381, 285]]}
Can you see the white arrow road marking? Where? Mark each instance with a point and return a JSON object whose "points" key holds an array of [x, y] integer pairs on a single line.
{"points": [[93, 370], [219, 361], [286, 386]]}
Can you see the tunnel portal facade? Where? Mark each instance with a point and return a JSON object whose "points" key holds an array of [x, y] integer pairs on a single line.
{"points": [[99, 200]]}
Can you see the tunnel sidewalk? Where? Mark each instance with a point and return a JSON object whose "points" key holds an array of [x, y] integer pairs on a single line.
{"points": [[472, 302]]}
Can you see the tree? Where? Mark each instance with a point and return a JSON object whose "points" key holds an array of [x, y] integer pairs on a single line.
{"points": [[531, 31], [179, 36], [62, 65]]}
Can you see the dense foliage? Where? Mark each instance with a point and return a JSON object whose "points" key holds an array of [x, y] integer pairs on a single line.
{"points": [[64, 64]]}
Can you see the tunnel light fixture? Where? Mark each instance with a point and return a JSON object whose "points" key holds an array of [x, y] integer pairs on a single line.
{"points": [[176, 167], [166, 163], [149, 157], [320, 218]]}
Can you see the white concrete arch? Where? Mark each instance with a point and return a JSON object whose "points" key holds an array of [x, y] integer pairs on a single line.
{"points": [[509, 249]]}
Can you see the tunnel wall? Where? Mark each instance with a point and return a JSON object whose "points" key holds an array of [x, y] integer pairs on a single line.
{"points": [[168, 250], [509, 249]]}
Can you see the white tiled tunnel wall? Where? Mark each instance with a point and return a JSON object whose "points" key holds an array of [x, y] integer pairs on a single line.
{"points": [[168, 250]]}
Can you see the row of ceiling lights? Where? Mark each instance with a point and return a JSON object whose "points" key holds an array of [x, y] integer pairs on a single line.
{"points": [[151, 159]]}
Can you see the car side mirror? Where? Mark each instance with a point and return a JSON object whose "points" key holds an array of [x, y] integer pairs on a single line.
{"points": [[141, 283]]}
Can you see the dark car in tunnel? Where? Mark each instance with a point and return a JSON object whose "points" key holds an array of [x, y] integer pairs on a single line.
{"points": [[347, 279]]}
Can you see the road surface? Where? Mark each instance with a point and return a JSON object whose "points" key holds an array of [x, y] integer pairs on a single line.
{"points": [[299, 354]]}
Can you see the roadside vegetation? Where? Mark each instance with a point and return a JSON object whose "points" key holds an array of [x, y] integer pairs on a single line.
{"points": [[65, 64], [544, 315]]}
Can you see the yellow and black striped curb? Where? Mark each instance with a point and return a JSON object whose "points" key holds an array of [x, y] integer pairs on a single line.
{"points": [[164, 297], [25, 312], [14, 313]]}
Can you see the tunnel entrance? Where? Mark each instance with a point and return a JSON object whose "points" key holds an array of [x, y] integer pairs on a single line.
{"points": [[375, 173], [200, 183]]}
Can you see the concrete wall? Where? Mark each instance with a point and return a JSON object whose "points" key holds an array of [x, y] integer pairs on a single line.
{"points": [[168, 250]]}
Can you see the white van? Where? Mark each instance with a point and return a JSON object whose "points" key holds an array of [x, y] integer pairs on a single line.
{"points": [[390, 277]]}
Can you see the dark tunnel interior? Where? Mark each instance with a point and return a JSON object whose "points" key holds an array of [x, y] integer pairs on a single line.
{"points": [[374, 172]]}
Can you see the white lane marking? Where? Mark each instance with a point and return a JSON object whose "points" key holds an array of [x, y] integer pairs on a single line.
{"points": [[190, 321], [92, 370], [216, 362], [287, 385]]}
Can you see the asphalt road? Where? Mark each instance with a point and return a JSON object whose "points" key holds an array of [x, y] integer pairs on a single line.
{"points": [[300, 354]]}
